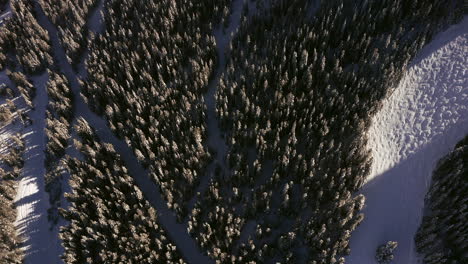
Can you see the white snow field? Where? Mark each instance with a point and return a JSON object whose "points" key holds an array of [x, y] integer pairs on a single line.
{"points": [[419, 123], [31, 199]]}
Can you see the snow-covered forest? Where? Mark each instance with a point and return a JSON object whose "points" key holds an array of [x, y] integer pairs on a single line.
{"points": [[233, 131]]}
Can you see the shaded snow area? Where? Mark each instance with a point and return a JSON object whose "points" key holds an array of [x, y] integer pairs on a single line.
{"points": [[418, 124], [5, 13], [32, 200], [95, 21]]}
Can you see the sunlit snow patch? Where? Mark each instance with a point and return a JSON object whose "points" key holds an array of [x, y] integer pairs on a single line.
{"points": [[418, 124]]}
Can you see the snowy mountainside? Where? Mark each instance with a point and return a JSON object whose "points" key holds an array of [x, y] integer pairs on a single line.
{"points": [[419, 123], [176, 104]]}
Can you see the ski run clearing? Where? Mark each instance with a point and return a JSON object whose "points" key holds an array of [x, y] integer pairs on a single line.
{"points": [[419, 123], [32, 201]]}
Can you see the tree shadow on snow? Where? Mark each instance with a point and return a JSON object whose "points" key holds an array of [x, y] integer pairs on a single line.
{"points": [[395, 200]]}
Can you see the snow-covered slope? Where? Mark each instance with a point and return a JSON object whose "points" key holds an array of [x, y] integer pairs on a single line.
{"points": [[32, 200], [96, 19], [419, 123]]}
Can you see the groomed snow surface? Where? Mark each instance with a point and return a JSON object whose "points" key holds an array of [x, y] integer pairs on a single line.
{"points": [[419, 123], [31, 199]]}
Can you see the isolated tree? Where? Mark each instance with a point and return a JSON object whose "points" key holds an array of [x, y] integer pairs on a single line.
{"points": [[384, 254]]}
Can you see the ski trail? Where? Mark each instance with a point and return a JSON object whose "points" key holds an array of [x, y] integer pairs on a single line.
{"points": [[31, 200], [177, 232], [94, 24], [95, 21], [6, 13], [419, 123], [215, 140]]}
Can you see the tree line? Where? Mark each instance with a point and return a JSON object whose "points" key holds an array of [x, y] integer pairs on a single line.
{"points": [[73, 30], [147, 73], [110, 220], [59, 118], [443, 234], [23, 42], [295, 102], [11, 162]]}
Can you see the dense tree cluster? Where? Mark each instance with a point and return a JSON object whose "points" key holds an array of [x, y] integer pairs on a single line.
{"points": [[10, 167], [6, 91], [59, 116], [73, 30], [11, 162], [295, 103], [5, 113], [23, 37], [110, 220], [3, 4], [147, 72], [13, 158], [443, 234], [24, 86], [384, 253], [219, 229], [24, 26], [10, 251]]}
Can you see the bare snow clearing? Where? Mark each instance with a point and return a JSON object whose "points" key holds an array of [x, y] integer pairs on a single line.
{"points": [[32, 200], [418, 124]]}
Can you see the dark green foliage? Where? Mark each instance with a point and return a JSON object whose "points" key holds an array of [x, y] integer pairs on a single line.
{"points": [[6, 91], [3, 4], [10, 242], [294, 103], [110, 220], [59, 116], [23, 35], [72, 30], [297, 96], [11, 163], [15, 148], [58, 128], [10, 251], [147, 73], [26, 89], [5, 115], [384, 254], [443, 234]]}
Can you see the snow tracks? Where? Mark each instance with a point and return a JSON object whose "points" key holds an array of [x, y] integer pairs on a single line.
{"points": [[419, 123], [31, 200]]}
